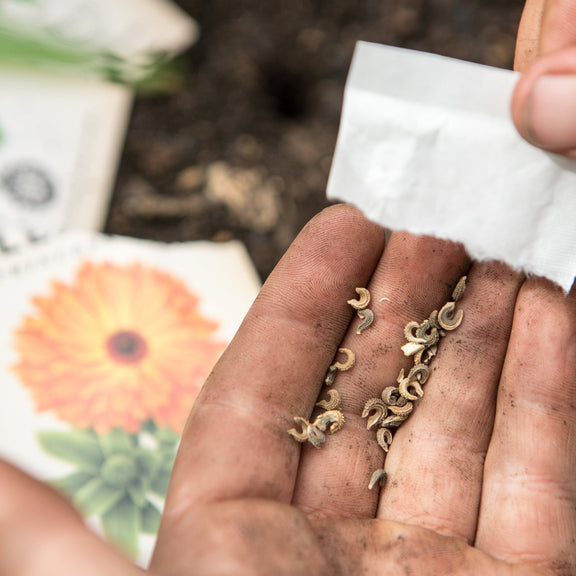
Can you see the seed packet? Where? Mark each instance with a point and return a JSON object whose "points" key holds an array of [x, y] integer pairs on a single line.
{"points": [[60, 142], [130, 41], [105, 344]]}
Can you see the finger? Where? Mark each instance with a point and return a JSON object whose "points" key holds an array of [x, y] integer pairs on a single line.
{"points": [[415, 276], [41, 534], [544, 99], [236, 444], [435, 463], [544, 103], [558, 26], [529, 33], [528, 510]]}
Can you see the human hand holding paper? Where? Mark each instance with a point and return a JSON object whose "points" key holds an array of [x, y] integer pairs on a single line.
{"points": [[544, 103], [427, 145]]}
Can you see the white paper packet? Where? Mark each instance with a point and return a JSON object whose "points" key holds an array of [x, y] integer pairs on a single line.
{"points": [[427, 144], [60, 143]]}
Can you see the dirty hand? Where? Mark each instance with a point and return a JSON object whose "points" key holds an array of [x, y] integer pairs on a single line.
{"points": [[481, 476], [544, 103]]}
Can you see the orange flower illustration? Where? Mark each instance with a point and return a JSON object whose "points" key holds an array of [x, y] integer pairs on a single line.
{"points": [[121, 345]]}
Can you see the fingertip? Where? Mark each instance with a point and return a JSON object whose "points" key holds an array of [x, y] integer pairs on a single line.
{"points": [[544, 103], [342, 219]]}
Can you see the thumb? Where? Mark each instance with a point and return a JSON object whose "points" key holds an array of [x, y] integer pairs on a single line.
{"points": [[544, 100], [41, 534]]}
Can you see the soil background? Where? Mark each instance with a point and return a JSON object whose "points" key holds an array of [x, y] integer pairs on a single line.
{"points": [[242, 147]]}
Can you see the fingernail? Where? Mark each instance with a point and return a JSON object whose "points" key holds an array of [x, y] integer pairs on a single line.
{"points": [[550, 118]]}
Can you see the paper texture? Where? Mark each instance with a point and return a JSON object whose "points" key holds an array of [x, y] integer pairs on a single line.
{"points": [[427, 145], [105, 343], [60, 143]]}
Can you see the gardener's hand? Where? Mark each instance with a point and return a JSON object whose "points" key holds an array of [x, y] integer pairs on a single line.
{"points": [[544, 103], [482, 476]]}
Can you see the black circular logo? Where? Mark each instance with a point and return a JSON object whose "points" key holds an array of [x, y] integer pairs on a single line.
{"points": [[29, 185]]}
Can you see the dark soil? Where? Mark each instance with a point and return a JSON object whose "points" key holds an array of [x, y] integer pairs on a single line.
{"points": [[243, 148]]}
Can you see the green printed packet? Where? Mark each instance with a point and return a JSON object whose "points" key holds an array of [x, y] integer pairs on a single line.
{"points": [[133, 42]]}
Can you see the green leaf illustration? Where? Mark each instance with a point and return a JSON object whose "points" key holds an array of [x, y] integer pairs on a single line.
{"points": [[149, 426], [97, 497], [120, 470], [159, 73], [72, 483], [78, 447], [137, 491], [166, 437], [149, 462], [167, 459], [121, 525], [159, 484], [116, 441], [149, 519]]}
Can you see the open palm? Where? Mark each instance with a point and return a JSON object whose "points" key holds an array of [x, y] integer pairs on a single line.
{"points": [[481, 477]]}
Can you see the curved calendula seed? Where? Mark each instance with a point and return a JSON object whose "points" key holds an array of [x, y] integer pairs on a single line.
{"points": [[315, 436], [425, 355], [419, 372], [308, 432], [447, 318], [460, 289], [404, 387], [302, 434], [430, 334], [379, 410], [362, 301], [410, 336], [379, 477], [433, 319], [332, 418], [330, 376], [367, 318], [402, 410], [333, 401], [390, 395], [412, 348], [350, 359], [394, 421], [384, 438]]}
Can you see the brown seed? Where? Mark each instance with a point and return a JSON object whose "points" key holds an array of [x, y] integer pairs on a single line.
{"points": [[350, 360], [378, 477], [362, 301], [367, 318]]}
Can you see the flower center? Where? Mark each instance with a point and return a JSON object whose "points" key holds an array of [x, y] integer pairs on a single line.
{"points": [[127, 347]]}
